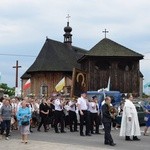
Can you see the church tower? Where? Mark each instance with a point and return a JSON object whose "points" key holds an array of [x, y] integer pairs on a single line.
{"points": [[68, 35]]}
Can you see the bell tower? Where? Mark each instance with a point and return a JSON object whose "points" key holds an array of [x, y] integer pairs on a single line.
{"points": [[68, 35]]}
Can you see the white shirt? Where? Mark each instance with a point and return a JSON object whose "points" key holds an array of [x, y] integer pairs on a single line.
{"points": [[72, 106], [93, 107], [66, 109], [103, 102], [82, 102], [1, 104], [36, 107], [14, 105], [57, 105]]}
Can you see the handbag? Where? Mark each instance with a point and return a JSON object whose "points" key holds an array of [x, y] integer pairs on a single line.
{"points": [[25, 123], [12, 121], [145, 118]]}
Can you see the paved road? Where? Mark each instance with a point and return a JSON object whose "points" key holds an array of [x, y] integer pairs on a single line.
{"points": [[71, 141]]}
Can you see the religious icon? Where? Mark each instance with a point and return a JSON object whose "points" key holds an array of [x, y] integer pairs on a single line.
{"points": [[79, 83]]}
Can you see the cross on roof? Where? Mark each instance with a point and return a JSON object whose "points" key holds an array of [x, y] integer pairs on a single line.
{"points": [[105, 31], [68, 17]]}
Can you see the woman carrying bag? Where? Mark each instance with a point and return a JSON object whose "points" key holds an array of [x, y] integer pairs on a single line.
{"points": [[5, 118], [23, 117]]}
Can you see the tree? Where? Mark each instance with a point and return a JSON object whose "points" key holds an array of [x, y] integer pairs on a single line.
{"points": [[7, 90]]}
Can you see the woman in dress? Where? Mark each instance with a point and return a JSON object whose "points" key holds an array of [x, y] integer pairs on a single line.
{"points": [[147, 119], [23, 117]]}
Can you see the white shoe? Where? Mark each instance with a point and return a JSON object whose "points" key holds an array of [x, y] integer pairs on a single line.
{"points": [[7, 138]]}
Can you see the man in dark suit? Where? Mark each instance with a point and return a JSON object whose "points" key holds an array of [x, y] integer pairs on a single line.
{"points": [[106, 120]]}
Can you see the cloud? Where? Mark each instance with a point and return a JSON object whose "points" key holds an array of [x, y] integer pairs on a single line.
{"points": [[25, 24]]}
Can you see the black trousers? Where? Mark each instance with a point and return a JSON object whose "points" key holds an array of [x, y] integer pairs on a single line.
{"points": [[73, 120], [43, 122], [59, 118], [107, 129], [94, 119], [84, 119], [5, 125]]}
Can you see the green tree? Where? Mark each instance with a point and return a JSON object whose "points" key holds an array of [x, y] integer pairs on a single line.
{"points": [[7, 90]]}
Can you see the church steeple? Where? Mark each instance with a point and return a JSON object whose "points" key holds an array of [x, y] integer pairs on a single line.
{"points": [[68, 35]]}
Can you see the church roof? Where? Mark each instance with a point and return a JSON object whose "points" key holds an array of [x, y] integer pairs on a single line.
{"points": [[25, 76], [56, 56], [107, 47]]}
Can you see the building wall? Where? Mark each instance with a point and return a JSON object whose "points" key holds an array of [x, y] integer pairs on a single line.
{"points": [[48, 80], [141, 87], [124, 74]]}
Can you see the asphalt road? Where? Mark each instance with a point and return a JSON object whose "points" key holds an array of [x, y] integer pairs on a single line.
{"points": [[72, 141]]}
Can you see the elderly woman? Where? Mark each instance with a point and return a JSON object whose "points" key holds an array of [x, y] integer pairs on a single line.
{"points": [[5, 117], [23, 117]]}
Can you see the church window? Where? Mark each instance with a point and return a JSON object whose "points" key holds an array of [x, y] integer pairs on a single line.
{"points": [[44, 90], [126, 66], [102, 65]]}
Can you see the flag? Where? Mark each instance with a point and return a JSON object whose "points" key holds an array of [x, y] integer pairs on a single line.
{"points": [[107, 88], [27, 84], [108, 85], [60, 85]]}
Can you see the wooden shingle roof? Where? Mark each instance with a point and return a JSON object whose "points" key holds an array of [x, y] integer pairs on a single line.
{"points": [[56, 56], [107, 47], [25, 76]]}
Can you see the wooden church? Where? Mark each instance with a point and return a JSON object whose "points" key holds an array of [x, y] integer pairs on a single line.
{"points": [[107, 59]]}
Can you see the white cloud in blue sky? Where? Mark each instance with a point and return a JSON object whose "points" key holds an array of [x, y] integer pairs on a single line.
{"points": [[24, 25]]}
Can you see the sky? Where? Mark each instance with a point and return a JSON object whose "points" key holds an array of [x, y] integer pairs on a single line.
{"points": [[24, 25]]}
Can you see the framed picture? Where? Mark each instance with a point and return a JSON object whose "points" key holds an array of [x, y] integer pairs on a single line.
{"points": [[79, 82]]}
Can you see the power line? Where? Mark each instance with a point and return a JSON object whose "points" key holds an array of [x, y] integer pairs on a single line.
{"points": [[17, 55]]}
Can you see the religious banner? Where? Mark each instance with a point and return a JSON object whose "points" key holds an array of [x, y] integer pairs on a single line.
{"points": [[79, 82]]}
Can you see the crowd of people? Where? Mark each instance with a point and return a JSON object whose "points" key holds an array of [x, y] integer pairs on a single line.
{"points": [[56, 112], [77, 114]]}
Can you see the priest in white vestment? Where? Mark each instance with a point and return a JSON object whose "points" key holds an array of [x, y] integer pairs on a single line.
{"points": [[130, 123]]}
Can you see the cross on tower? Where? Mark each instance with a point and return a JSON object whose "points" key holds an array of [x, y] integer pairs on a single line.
{"points": [[68, 17], [105, 32], [16, 72]]}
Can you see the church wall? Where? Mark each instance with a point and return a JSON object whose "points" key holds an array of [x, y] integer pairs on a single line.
{"points": [[124, 78], [49, 79]]}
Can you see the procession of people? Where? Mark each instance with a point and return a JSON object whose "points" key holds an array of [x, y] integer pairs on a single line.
{"points": [[57, 113]]}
